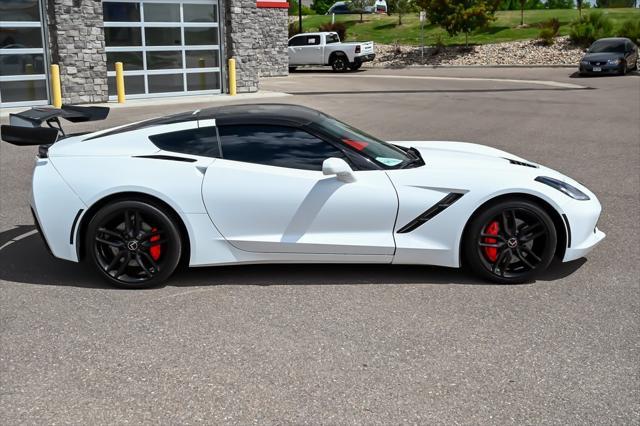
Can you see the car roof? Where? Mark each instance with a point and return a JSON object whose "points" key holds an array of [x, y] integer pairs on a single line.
{"points": [[259, 113], [612, 39], [230, 115]]}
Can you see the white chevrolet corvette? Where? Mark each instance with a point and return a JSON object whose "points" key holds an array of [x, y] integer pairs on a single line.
{"points": [[288, 184]]}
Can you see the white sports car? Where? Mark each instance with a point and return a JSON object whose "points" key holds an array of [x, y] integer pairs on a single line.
{"points": [[288, 184]]}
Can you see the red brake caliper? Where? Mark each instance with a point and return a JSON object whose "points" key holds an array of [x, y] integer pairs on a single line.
{"points": [[155, 250], [491, 252]]}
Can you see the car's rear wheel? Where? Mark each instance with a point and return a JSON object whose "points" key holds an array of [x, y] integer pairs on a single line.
{"points": [[339, 63], [133, 244], [510, 242]]}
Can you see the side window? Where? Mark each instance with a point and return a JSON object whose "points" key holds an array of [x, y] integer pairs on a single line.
{"points": [[275, 146], [297, 41], [202, 142]]}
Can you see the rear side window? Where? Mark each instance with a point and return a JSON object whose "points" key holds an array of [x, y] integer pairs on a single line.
{"points": [[332, 38], [203, 142], [278, 146]]}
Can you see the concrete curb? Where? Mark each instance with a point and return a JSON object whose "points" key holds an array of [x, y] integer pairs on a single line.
{"points": [[474, 66], [174, 100]]}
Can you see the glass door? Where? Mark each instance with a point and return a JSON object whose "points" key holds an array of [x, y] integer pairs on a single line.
{"points": [[23, 68]]}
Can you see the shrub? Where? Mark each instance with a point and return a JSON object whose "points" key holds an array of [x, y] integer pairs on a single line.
{"points": [[547, 36], [587, 30], [631, 30], [294, 28], [549, 31], [293, 9], [337, 27]]}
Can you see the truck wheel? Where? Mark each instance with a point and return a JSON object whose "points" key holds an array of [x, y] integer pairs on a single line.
{"points": [[339, 63], [355, 66]]}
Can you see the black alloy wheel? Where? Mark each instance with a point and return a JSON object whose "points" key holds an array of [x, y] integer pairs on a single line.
{"points": [[510, 242], [339, 63], [133, 244]]}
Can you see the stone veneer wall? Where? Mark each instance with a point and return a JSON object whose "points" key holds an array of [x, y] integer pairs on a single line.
{"points": [[76, 39], [257, 39]]}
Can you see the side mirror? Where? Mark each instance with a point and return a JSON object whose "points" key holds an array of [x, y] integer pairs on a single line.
{"points": [[586, 50], [340, 168]]}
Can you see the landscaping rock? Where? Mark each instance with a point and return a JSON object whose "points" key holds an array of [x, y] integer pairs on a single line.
{"points": [[527, 52]]}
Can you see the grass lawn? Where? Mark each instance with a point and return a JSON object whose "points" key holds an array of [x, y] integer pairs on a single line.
{"points": [[385, 29]]}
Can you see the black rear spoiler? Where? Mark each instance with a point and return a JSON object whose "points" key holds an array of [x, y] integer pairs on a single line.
{"points": [[24, 127]]}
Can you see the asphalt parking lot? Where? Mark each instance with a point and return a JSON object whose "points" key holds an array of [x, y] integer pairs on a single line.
{"points": [[307, 344]]}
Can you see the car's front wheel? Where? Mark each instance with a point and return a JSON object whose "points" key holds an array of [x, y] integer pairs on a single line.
{"points": [[510, 242], [133, 244]]}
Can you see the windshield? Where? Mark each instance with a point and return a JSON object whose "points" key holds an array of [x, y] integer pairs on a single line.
{"points": [[384, 154], [607, 46], [332, 38]]}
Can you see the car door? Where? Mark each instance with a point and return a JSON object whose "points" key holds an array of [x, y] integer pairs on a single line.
{"points": [[268, 194], [305, 50]]}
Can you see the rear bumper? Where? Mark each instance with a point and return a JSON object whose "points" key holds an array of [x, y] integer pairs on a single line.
{"points": [[56, 209], [365, 58]]}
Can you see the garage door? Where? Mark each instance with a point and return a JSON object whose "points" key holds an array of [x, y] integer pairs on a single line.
{"points": [[166, 47], [23, 79]]}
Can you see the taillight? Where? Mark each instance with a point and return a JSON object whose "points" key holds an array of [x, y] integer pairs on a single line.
{"points": [[357, 49]]}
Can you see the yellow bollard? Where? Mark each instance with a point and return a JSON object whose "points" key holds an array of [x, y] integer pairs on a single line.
{"points": [[56, 90], [120, 83], [232, 77]]}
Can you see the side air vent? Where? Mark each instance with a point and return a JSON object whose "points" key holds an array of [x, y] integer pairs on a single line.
{"points": [[431, 213], [521, 163], [167, 157]]}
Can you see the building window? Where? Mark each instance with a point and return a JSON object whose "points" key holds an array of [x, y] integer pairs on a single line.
{"points": [[23, 77], [166, 46]]}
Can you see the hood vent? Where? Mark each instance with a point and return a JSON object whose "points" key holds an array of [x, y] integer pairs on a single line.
{"points": [[521, 163]]}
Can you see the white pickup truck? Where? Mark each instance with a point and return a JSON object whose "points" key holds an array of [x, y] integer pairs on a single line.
{"points": [[326, 49]]}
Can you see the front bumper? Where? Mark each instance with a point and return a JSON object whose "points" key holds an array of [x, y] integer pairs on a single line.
{"points": [[604, 69], [582, 233]]}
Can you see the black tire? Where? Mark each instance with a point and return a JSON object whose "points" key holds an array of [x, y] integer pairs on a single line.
{"points": [[339, 63], [355, 66], [133, 244], [523, 246]]}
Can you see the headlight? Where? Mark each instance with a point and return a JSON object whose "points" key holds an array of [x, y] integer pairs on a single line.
{"points": [[613, 61], [563, 187], [584, 62]]}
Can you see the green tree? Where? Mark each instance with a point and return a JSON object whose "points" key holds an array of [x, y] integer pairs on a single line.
{"points": [[615, 3], [321, 6], [359, 6], [579, 7], [559, 4], [400, 7], [459, 16]]}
